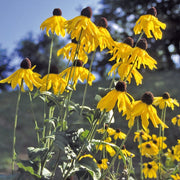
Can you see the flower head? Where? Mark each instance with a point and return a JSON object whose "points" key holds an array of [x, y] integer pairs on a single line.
{"points": [[149, 23], [84, 30], [146, 111], [69, 51], [126, 70], [176, 120], [159, 141], [107, 129], [177, 151], [107, 147], [54, 81], [176, 177], [141, 134], [119, 134], [105, 39], [139, 56], [171, 154], [119, 96], [121, 50], [55, 23], [24, 74], [102, 164], [77, 72], [148, 149], [165, 101], [150, 169], [126, 153]]}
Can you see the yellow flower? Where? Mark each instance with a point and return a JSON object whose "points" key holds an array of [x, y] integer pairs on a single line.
{"points": [[176, 177], [149, 23], [118, 95], [150, 169], [159, 141], [148, 148], [24, 74], [54, 23], [176, 120], [144, 135], [105, 39], [119, 134], [70, 52], [54, 81], [102, 164], [177, 152], [126, 153], [87, 156], [77, 72], [146, 110], [139, 56], [84, 30], [107, 129], [126, 70], [165, 101], [171, 155], [108, 148], [121, 50]]}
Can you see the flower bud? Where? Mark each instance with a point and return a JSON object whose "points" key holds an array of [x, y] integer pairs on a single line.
{"points": [[78, 63], [87, 12], [152, 11], [57, 12], [102, 22], [26, 63], [142, 44], [129, 41], [147, 98], [121, 86]]}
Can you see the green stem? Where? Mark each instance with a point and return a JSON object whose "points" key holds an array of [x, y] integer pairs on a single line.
{"points": [[141, 158], [85, 90], [112, 81], [56, 165], [69, 94], [15, 126], [34, 118], [50, 59], [49, 67], [161, 134]]}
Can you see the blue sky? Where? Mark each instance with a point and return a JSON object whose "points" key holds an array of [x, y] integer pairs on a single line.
{"points": [[18, 17]]}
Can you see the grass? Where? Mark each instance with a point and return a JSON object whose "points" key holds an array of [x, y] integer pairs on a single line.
{"points": [[156, 82]]}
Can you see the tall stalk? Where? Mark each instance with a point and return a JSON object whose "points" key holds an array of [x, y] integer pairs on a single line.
{"points": [[49, 67], [15, 126], [85, 90], [50, 59], [141, 158]]}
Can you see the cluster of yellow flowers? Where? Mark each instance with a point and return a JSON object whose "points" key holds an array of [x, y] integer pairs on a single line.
{"points": [[129, 58]]}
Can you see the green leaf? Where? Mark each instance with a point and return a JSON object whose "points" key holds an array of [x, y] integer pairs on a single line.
{"points": [[28, 169], [97, 97], [61, 140], [36, 154], [90, 165], [84, 135], [103, 91]]}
